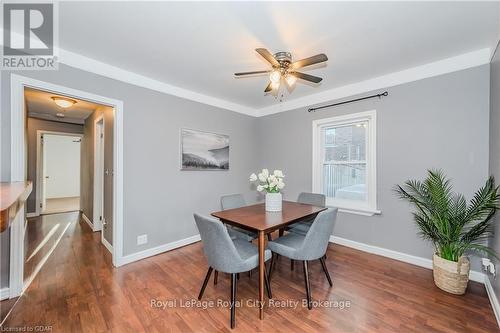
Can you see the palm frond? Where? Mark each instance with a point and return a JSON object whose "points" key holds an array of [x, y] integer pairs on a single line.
{"points": [[484, 201], [445, 219]]}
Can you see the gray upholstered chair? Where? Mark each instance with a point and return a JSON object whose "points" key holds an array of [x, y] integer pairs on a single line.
{"points": [[315, 199], [236, 201], [312, 246], [227, 255]]}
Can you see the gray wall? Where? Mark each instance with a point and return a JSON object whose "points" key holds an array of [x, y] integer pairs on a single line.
{"points": [[87, 170], [159, 199], [33, 126], [439, 122], [495, 149]]}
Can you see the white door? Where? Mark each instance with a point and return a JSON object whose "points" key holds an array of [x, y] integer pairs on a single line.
{"points": [[61, 167]]}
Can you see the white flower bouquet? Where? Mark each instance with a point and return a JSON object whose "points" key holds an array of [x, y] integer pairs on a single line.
{"points": [[272, 184]]}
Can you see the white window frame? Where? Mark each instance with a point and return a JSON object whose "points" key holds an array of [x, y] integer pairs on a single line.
{"points": [[368, 207]]}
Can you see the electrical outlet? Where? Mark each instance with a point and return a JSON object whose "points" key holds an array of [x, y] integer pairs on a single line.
{"points": [[142, 239], [489, 266]]}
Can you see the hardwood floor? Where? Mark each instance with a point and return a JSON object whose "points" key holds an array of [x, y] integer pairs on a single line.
{"points": [[78, 291]]}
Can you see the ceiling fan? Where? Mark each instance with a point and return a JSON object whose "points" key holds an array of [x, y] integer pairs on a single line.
{"points": [[284, 68]]}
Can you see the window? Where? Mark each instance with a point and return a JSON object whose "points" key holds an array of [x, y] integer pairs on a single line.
{"points": [[344, 161]]}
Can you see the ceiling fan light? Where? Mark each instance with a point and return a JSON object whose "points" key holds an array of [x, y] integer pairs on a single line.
{"points": [[275, 76], [63, 102], [275, 85], [290, 79]]}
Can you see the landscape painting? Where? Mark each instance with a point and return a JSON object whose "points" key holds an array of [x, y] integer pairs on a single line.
{"points": [[204, 150]]}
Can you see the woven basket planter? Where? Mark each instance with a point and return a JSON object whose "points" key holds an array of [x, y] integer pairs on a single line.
{"points": [[451, 276]]}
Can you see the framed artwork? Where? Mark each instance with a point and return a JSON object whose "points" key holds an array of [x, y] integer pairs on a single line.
{"points": [[204, 150]]}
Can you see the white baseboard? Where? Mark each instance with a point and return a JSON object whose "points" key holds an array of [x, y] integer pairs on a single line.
{"points": [[28, 215], [408, 258], [4, 293], [86, 219], [107, 245], [493, 299], [158, 249]]}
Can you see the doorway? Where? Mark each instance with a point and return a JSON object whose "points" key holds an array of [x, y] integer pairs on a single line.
{"points": [[19, 158], [58, 171]]}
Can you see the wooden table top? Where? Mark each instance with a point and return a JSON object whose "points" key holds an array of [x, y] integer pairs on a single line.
{"points": [[255, 217], [12, 196]]}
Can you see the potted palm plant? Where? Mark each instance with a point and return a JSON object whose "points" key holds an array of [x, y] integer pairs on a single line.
{"points": [[454, 226]]}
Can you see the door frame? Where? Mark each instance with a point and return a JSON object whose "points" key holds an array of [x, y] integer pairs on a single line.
{"points": [[98, 186], [39, 165], [18, 168]]}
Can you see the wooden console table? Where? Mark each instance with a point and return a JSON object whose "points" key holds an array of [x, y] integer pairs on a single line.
{"points": [[12, 198]]}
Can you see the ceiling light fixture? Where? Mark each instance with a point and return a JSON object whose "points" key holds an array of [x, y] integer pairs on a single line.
{"points": [[275, 76], [290, 79], [284, 67], [63, 102]]}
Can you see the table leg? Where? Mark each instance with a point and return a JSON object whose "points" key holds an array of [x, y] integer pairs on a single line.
{"points": [[262, 267]]}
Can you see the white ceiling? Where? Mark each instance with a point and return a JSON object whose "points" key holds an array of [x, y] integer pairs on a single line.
{"points": [[198, 46], [40, 105]]}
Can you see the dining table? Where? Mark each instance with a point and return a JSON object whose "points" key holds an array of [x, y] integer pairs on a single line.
{"points": [[255, 218]]}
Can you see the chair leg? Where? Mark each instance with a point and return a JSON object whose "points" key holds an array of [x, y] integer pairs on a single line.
{"points": [[292, 264], [268, 285], [207, 277], [271, 266], [250, 274], [233, 299], [308, 286], [216, 275], [269, 237], [281, 232], [325, 269]]}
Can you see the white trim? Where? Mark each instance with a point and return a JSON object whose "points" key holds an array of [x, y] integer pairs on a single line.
{"points": [[103, 69], [159, 249], [348, 206], [16, 271], [89, 222], [18, 83], [17, 173], [4, 293], [106, 244], [362, 212], [448, 65], [29, 215], [493, 298], [400, 256], [98, 185], [39, 165]]}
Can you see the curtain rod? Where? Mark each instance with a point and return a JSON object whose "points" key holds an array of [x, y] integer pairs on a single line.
{"points": [[385, 93]]}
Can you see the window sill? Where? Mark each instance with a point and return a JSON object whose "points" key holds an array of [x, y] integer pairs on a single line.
{"points": [[358, 211]]}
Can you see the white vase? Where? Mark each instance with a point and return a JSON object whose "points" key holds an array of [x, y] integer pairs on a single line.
{"points": [[273, 202]]}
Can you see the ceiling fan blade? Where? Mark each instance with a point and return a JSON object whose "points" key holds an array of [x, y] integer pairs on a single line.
{"points": [[268, 56], [269, 87], [307, 77], [251, 73], [309, 61]]}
